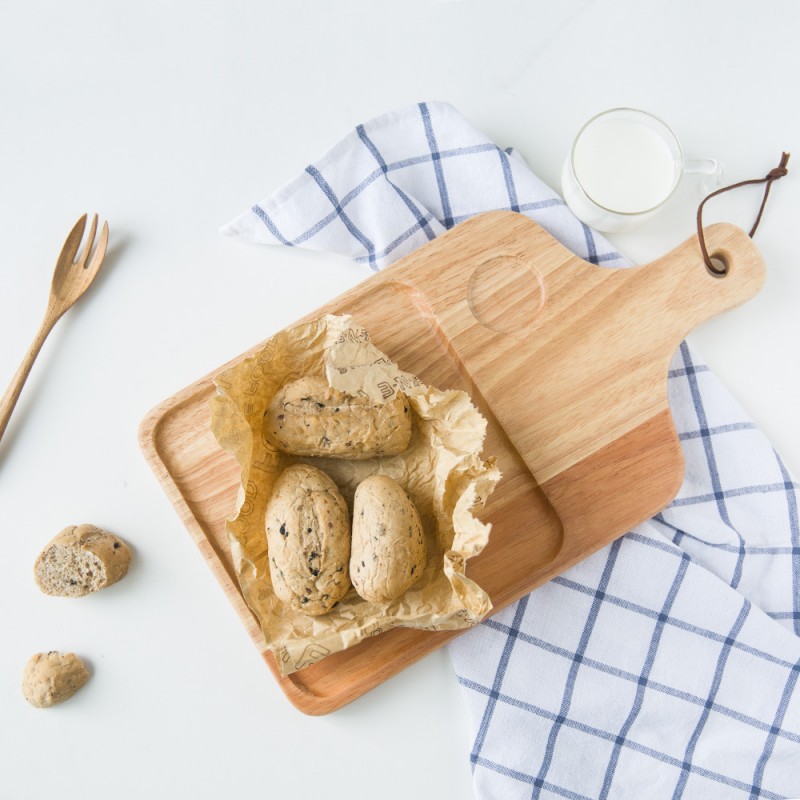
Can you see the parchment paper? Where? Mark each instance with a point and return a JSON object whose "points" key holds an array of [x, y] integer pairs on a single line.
{"points": [[442, 471]]}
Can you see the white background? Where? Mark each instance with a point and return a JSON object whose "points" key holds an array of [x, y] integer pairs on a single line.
{"points": [[171, 118]]}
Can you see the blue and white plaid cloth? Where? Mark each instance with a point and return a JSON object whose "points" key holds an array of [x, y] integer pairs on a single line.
{"points": [[665, 665]]}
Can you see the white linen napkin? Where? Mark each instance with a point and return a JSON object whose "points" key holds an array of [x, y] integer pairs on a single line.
{"points": [[665, 665]]}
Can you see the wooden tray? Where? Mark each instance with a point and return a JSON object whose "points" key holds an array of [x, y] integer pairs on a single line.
{"points": [[568, 361]]}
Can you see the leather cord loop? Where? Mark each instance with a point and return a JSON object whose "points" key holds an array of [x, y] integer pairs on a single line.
{"points": [[772, 176]]}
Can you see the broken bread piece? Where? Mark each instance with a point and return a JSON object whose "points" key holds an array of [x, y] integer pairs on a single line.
{"points": [[82, 559], [51, 678]]}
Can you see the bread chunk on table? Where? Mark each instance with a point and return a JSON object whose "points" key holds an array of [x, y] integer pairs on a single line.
{"points": [[80, 560]]}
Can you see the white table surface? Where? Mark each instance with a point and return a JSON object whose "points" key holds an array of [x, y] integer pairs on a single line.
{"points": [[169, 119]]}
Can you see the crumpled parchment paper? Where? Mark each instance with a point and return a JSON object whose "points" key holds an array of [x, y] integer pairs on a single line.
{"points": [[442, 471]]}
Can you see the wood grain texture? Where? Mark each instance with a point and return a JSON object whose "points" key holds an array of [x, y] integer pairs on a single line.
{"points": [[568, 362]]}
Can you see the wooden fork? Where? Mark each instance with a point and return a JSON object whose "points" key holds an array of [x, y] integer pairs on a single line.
{"points": [[71, 278]]}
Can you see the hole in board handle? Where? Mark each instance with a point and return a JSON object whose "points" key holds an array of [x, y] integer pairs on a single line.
{"points": [[720, 267]]}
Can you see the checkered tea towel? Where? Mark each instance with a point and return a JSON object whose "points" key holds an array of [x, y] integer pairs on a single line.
{"points": [[665, 665]]}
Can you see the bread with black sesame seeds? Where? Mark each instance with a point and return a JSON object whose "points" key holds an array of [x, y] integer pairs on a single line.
{"points": [[308, 540], [307, 417], [388, 553]]}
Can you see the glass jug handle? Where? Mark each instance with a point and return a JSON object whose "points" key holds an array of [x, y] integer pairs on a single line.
{"points": [[710, 170]]}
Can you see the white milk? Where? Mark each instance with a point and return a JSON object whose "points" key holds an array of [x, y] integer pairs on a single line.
{"points": [[624, 165]]}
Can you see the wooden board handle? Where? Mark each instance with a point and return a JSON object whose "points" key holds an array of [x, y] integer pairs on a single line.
{"points": [[686, 293]]}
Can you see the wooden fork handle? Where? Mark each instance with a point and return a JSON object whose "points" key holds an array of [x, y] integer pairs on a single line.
{"points": [[12, 393]]}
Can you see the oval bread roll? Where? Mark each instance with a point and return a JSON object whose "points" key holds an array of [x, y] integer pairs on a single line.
{"points": [[308, 540], [51, 678], [82, 559], [309, 418], [388, 549]]}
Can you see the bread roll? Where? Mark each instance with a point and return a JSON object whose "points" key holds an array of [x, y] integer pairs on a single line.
{"points": [[308, 540], [309, 418], [388, 549]]}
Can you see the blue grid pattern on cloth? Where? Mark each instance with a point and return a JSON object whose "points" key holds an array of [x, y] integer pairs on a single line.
{"points": [[665, 665]]}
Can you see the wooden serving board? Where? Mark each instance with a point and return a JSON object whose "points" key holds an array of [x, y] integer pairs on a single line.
{"points": [[568, 361]]}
